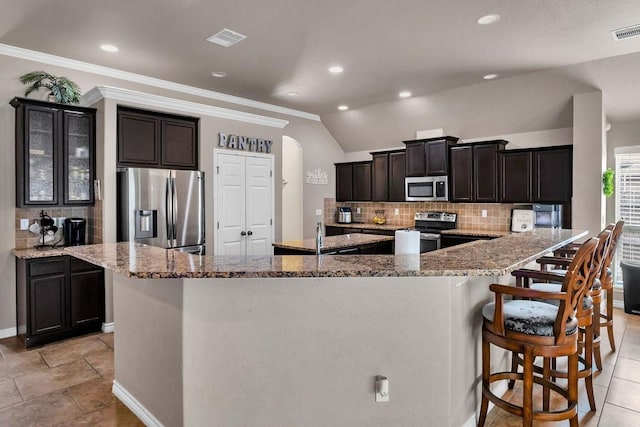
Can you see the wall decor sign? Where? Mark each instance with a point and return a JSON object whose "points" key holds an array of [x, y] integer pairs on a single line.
{"points": [[244, 143], [317, 177]]}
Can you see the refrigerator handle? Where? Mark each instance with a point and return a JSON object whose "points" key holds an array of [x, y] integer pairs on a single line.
{"points": [[174, 211], [168, 208]]}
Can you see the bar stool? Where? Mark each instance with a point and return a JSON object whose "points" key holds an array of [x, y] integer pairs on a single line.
{"points": [[606, 282], [584, 315], [533, 328]]}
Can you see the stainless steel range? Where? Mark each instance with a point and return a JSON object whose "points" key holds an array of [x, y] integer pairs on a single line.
{"points": [[430, 225]]}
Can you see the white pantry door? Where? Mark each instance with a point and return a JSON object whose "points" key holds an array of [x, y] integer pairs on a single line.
{"points": [[243, 204]]}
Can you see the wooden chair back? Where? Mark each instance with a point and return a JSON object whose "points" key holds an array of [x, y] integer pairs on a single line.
{"points": [[616, 231]]}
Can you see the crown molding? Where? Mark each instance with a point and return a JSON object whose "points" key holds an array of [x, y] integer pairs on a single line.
{"points": [[178, 105], [32, 55]]}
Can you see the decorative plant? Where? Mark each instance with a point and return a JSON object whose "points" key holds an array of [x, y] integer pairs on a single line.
{"points": [[607, 182], [62, 89]]}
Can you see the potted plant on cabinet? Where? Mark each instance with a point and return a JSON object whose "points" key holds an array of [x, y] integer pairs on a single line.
{"points": [[61, 89]]}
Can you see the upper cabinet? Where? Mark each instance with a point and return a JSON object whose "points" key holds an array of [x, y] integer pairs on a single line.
{"points": [[543, 175], [55, 150], [353, 181], [474, 174], [156, 140], [388, 176], [428, 157]]}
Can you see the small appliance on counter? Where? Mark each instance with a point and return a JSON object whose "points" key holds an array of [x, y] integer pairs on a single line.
{"points": [[343, 215], [74, 231], [547, 216]]}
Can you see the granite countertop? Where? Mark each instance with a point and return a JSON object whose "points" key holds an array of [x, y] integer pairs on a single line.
{"points": [[332, 243], [31, 253], [368, 226], [471, 232], [481, 258]]}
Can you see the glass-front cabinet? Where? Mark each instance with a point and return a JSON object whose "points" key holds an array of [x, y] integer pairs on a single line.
{"points": [[55, 144]]}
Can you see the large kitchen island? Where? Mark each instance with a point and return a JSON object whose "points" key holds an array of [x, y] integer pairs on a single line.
{"points": [[299, 340]]}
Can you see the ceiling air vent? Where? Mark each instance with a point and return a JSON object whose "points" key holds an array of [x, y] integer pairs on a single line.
{"points": [[226, 37], [626, 33]]}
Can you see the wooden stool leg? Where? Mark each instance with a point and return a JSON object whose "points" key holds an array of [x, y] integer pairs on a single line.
{"points": [[573, 386], [597, 300], [486, 373], [612, 342], [546, 374], [514, 369], [588, 357], [527, 388]]}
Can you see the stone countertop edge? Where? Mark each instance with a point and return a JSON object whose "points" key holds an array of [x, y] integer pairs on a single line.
{"points": [[33, 253], [368, 226], [334, 242], [495, 257]]}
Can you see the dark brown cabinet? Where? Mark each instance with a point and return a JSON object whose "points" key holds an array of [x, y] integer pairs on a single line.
{"points": [[55, 154], [515, 176], [388, 173], [428, 157], [475, 171], [535, 175], [344, 182], [58, 297], [553, 172], [149, 139], [353, 181], [362, 181]]}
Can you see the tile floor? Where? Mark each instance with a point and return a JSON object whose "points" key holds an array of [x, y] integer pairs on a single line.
{"points": [[616, 387], [62, 384], [69, 384]]}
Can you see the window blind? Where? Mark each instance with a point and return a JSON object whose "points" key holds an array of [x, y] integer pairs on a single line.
{"points": [[628, 205]]}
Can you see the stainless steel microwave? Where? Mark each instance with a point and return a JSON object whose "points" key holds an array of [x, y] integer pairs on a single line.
{"points": [[426, 189]]}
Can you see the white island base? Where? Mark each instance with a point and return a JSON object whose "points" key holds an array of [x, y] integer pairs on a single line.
{"points": [[300, 351]]}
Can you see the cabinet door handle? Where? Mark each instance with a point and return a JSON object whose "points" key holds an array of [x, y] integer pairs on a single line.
{"points": [[250, 233], [243, 233]]}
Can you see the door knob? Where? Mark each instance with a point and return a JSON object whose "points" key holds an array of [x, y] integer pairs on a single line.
{"points": [[243, 233], [250, 233]]}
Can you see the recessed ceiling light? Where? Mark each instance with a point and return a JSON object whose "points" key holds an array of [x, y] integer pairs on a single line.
{"points": [[343, 107], [109, 48], [490, 76], [489, 19], [335, 69], [219, 74], [292, 93], [404, 94]]}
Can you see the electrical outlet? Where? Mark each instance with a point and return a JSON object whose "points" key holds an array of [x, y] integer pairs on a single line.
{"points": [[358, 210], [318, 211], [484, 213], [396, 211], [24, 223]]}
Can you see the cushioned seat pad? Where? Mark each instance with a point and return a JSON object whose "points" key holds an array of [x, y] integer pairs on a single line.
{"points": [[587, 301], [529, 317]]}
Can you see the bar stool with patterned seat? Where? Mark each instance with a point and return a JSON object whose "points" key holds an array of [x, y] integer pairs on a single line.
{"points": [[533, 328]]}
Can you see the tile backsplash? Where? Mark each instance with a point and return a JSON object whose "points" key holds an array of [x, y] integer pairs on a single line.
{"points": [[26, 239], [469, 214]]}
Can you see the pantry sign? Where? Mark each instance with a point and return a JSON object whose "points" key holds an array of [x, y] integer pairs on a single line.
{"points": [[244, 143]]}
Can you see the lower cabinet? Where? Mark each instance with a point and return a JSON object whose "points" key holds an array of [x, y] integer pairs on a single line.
{"points": [[58, 297]]}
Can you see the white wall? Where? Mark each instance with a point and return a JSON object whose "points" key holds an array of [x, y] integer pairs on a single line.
{"points": [[292, 186], [589, 155]]}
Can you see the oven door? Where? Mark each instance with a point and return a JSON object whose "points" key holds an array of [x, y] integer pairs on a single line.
{"points": [[429, 242]]}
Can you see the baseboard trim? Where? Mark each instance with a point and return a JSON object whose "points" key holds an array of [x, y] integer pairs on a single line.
{"points": [[107, 327], [498, 390], [136, 407], [9, 332]]}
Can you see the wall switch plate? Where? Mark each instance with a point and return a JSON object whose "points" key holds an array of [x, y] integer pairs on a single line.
{"points": [[318, 211], [24, 223], [396, 211], [484, 213], [358, 210]]}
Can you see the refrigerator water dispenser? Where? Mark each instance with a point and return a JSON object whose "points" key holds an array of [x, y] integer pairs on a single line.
{"points": [[146, 227]]}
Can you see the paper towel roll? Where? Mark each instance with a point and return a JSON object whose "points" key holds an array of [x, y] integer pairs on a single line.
{"points": [[407, 242]]}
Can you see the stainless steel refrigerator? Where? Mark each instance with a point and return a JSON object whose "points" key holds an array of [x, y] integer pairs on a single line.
{"points": [[161, 207]]}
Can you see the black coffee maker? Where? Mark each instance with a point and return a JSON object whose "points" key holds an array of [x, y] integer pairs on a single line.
{"points": [[74, 231]]}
